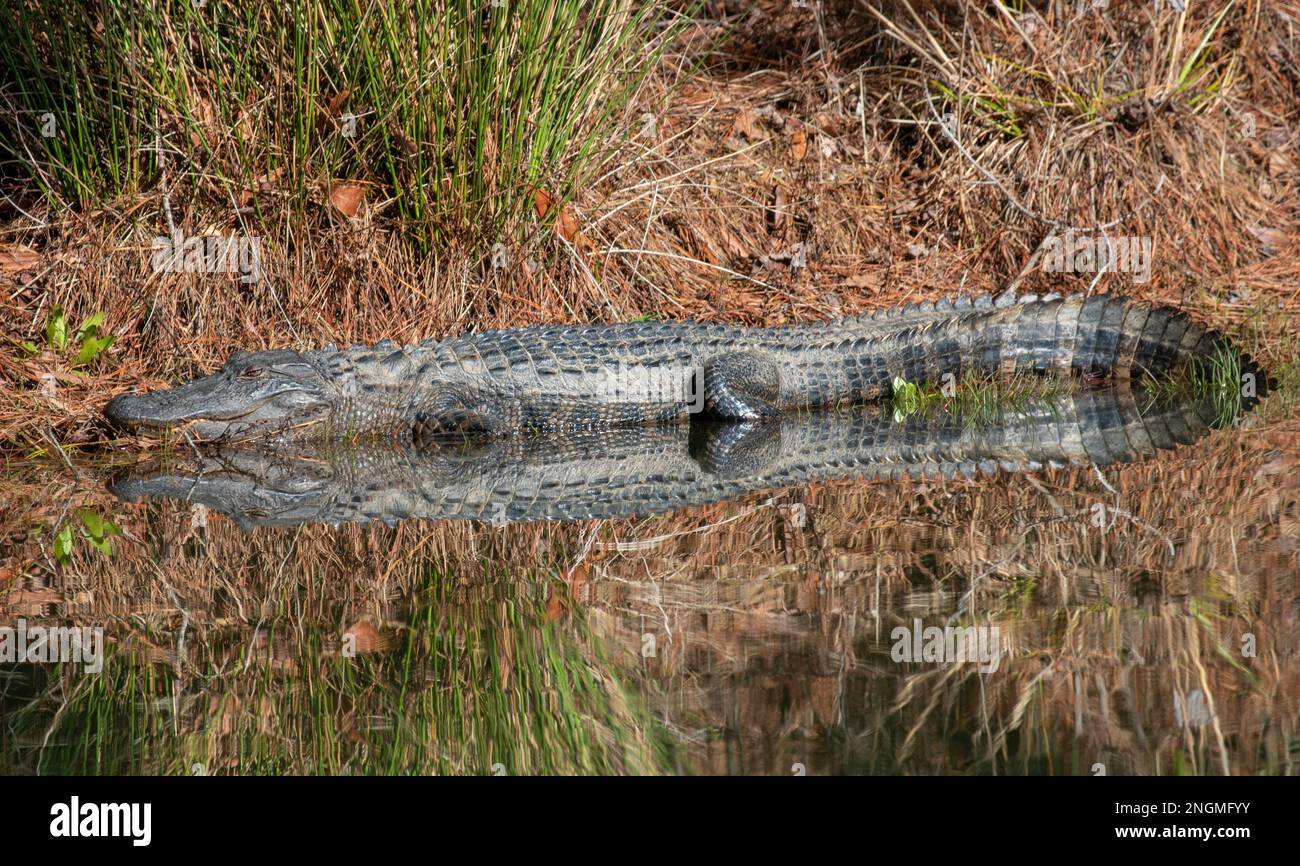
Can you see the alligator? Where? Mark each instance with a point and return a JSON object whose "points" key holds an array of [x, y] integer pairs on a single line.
{"points": [[574, 377], [618, 472]]}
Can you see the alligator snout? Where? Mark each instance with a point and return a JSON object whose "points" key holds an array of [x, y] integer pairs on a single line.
{"points": [[170, 408], [133, 410]]}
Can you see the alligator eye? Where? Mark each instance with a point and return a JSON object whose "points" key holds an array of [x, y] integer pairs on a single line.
{"points": [[253, 373]]}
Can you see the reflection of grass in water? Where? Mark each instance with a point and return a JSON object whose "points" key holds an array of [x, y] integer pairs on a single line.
{"points": [[975, 399], [1216, 379], [478, 681]]}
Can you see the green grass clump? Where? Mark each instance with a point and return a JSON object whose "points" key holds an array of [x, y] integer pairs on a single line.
{"points": [[449, 112], [1219, 379], [976, 398]]}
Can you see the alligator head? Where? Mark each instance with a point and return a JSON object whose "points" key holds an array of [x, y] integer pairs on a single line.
{"points": [[255, 394]]}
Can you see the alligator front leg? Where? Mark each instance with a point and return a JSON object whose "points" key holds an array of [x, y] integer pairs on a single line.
{"points": [[453, 410], [742, 386]]}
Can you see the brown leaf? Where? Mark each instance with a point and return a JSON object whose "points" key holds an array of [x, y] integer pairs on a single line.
{"points": [[867, 280], [263, 186], [732, 247], [776, 208], [337, 102], [347, 198], [542, 201], [555, 607], [566, 222], [694, 94], [15, 257], [1270, 239], [1279, 163], [326, 118], [798, 142], [750, 125], [365, 637], [402, 140]]}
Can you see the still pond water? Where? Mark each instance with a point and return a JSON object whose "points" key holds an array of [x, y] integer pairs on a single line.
{"points": [[1095, 584]]}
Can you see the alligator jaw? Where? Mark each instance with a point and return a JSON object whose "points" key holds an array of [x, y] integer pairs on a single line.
{"points": [[254, 394], [198, 400], [213, 421]]}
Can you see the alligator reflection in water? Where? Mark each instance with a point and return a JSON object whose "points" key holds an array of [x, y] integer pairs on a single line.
{"points": [[624, 472]]}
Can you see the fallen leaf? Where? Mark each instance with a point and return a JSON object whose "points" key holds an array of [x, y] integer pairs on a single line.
{"points": [[732, 248], [798, 142], [555, 608], [542, 202], [776, 210], [15, 257], [1281, 465], [1279, 163], [347, 198], [566, 222], [749, 125], [402, 140], [1270, 239], [263, 186], [364, 636], [693, 94], [337, 102], [327, 117], [867, 280]]}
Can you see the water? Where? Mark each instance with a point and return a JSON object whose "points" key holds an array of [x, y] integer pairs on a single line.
{"points": [[1131, 611]]}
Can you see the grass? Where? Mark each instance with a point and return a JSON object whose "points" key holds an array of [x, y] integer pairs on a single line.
{"points": [[1218, 379], [477, 680], [449, 114], [976, 398]]}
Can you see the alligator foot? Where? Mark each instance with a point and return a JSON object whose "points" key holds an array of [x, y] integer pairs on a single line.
{"points": [[742, 386]]}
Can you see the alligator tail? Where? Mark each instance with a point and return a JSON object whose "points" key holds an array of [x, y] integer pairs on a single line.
{"points": [[1096, 339]]}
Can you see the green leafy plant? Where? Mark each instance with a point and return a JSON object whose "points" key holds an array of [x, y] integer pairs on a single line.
{"points": [[88, 525], [88, 340], [908, 398]]}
